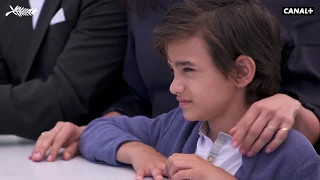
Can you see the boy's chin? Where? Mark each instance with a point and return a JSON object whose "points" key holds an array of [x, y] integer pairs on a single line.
{"points": [[190, 116]]}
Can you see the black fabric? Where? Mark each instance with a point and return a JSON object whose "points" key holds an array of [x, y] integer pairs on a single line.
{"points": [[69, 71]]}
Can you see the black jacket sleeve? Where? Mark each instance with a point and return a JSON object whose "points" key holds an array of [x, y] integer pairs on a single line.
{"points": [[136, 101], [131, 105], [90, 61]]}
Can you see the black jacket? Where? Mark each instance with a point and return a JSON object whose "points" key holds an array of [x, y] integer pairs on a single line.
{"points": [[69, 71]]}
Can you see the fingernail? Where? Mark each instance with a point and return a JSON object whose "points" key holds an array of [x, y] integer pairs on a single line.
{"points": [[49, 158], [235, 144], [36, 155], [268, 150], [250, 154], [139, 178]]}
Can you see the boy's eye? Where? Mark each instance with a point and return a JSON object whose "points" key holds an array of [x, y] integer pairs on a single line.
{"points": [[187, 69]]}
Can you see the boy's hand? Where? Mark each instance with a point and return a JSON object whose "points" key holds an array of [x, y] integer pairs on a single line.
{"points": [[145, 160], [193, 167], [151, 164]]}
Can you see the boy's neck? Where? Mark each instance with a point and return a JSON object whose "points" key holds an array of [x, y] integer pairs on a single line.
{"points": [[227, 120]]}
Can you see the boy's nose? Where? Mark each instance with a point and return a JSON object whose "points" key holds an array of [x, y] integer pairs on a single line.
{"points": [[176, 87]]}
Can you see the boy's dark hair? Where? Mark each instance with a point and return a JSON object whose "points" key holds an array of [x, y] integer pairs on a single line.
{"points": [[229, 28]]}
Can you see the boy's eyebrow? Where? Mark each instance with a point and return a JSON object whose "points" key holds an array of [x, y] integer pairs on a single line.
{"points": [[183, 63]]}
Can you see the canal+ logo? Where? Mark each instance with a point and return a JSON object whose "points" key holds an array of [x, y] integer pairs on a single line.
{"points": [[298, 10]]}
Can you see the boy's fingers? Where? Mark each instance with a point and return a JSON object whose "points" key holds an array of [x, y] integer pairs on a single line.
{"points": [[183, 174], [140, 174], [157, 174]]}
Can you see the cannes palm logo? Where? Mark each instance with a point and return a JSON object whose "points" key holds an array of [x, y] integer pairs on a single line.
{"points": [[21, 11]]}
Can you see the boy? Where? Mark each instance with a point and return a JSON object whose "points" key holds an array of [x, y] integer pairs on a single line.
{"points": [[225, 55]]}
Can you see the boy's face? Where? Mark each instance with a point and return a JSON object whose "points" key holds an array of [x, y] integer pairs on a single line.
{"points": [[202, 90]]}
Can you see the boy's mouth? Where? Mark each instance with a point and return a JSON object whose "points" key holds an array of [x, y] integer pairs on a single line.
{"points": [[183, 102]]}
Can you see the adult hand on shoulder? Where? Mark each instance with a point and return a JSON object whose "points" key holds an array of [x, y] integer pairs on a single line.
{"points": [[264, 119], [193, 167], [63, 135]]}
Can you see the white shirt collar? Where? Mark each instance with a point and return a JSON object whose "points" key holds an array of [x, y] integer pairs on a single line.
{"points": [[204, 128], [36, 4], [220, 152]]}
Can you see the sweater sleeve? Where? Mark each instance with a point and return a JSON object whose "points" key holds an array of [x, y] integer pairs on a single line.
{"points": [[103, 137]]}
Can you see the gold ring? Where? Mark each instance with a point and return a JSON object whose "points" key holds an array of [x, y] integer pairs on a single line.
{"points": [[271, 128], [44, 132], [284, 129]]}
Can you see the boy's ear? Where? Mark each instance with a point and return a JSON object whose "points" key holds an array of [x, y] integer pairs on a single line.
{"points": [[245, 71]]}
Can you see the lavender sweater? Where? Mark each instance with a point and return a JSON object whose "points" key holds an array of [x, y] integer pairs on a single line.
{"points": [[170, 133]]}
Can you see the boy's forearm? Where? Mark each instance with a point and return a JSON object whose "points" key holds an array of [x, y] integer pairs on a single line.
{"points": [[129, 150]]}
